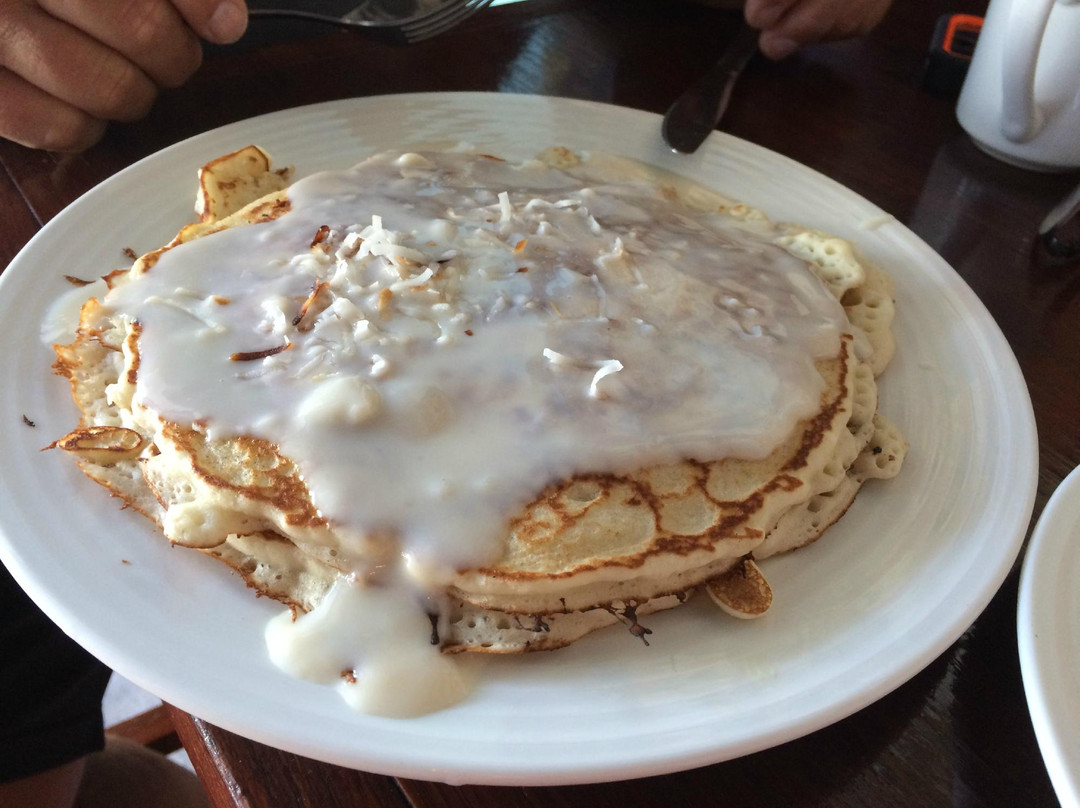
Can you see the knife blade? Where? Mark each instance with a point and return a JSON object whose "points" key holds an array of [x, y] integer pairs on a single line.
{"points": [[697, 111]]}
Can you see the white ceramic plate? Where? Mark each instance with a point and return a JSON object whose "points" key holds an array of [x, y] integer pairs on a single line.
{"points": [[892, 586], [1048, 631]]}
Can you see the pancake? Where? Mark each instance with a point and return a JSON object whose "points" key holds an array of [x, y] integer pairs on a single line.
{"points": [[623, 528]]}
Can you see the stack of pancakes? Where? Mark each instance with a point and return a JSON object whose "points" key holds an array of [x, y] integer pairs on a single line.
{"points": [[595, 549]]}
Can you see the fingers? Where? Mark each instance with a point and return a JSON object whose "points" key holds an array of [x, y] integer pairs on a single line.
{"points": [[764, 14], [68, 65], [777, 45], [32, 117], [772, 17], [787, 25], [76, 69], [150, 34], [218, 21]]}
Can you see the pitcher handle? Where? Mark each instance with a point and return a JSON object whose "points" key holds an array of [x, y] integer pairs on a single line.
{"points": [[1021, 118]]}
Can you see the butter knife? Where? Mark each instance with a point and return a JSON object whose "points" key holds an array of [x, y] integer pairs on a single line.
{"points": [[697, 111]]}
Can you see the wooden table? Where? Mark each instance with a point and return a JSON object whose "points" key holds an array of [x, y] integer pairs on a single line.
{"points": [[959, 732]]}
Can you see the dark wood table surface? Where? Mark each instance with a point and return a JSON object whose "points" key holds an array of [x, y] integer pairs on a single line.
{"points": [[956, 734]]}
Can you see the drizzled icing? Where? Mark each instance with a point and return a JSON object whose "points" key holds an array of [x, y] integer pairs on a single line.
{"points": [[481, 330], [433, 338]]}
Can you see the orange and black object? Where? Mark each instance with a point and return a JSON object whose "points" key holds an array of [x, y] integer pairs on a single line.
{"points": [[950, 53]]}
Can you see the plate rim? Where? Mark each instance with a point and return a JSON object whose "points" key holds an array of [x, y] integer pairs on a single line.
{"points": [[1049, 542]]}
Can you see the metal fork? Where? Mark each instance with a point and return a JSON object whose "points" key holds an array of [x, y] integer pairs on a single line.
{"points": [[396, 21]]}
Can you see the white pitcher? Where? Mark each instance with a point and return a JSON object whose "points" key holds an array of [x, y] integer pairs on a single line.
{"points": [[1021, 99]]}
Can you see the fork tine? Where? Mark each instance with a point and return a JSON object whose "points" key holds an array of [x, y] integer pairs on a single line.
{"points": [[440, 21], [359, 12], [378, 14], [433, 19], [370, 11], [393, 30]]}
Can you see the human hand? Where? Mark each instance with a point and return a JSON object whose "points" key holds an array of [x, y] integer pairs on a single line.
{"points": [[786, 25], [69, 66]]}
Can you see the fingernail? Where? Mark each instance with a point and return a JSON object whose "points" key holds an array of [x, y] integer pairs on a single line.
{"points": [[228, 22], [778, 47]]}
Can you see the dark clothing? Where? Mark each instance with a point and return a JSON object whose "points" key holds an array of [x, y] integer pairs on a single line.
{"points": [[50, 690]]}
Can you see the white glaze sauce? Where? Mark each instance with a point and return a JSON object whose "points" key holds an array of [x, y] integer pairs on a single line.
{"points": [[481, 330], [372, 643]]}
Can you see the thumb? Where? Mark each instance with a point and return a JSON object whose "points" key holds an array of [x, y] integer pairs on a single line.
{"points": [[217, 21]]}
